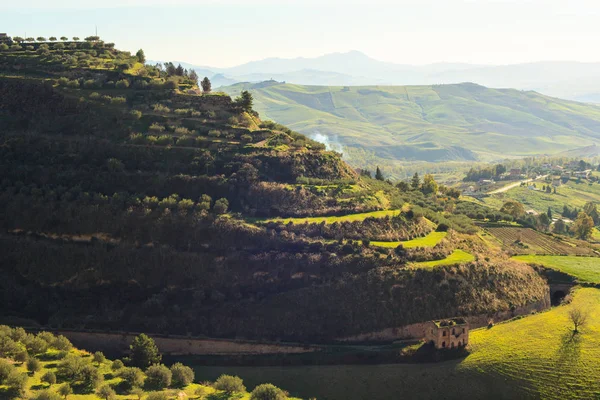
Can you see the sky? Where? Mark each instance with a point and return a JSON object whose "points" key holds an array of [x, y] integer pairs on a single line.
{"points": [[224, 33]]}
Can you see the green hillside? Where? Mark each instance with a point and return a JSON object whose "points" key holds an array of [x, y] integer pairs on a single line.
{"points": [[463, 122]]}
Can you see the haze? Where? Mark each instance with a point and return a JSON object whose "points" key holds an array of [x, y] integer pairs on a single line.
{"points": [[227, 33]]}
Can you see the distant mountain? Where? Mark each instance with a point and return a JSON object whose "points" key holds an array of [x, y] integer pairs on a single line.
{"points": [[569, 80], [463, 122]]}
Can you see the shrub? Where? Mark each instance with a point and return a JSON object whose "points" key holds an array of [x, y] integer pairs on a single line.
{"points": [[221, 206], [157, 396], [92, 84], [246, 138], [161, 108], [74, 84], [33, 365], [230, 384], [62, 81], [46, 395], [132, 377], [137, 138], [94, 95], [180, 130], [135, 114], [158, 376], [118, 100], [182, 375], [49, 378], [16, 47], [187, 141], [122, 84], [117, 365], [5, 370], [164, 140], [170, 84], [214, 133], [98, 356], [141, 84], [267, 391], [65, 390], [16, 383], [107, 393], [3, 47], [156, 128]]}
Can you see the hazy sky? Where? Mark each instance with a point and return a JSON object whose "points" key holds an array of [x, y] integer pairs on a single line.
{"points": [[226, 33]]}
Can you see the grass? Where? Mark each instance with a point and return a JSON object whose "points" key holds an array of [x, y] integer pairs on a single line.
{"points": [[427, 241], [457, 257], [332, 219], [585, 269], [532, 357]]}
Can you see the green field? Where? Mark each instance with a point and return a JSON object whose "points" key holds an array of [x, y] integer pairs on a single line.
{"points": [[572, 194], [389, 125], [533, 357], [457, 257], [585, 269], [332, 219], [427, 241]]}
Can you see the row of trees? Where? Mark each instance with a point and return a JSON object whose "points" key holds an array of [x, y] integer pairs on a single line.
{"points": [[20, 39]]}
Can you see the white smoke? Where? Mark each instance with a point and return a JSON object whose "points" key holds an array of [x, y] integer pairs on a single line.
{"points": [[330, 142]]}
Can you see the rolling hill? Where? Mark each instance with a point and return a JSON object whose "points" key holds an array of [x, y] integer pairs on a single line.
{"points": [[462, 122]]}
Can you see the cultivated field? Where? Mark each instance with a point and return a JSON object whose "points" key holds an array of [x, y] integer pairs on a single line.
{"points": [[529, 241], [332, 219], [585, 269], [533, 357], [426, 241]]}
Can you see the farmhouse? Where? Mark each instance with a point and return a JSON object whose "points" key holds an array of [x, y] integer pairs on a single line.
{"points": [[583, 174], [448, 333]]}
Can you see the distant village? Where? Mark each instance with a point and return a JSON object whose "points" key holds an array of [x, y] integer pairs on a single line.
{"points": [[547, 177]]}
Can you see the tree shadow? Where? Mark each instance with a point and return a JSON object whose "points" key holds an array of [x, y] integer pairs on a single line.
{"points": [[223, 396], [569, 351]]}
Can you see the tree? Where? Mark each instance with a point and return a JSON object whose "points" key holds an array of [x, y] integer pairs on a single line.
{"points": [[583, 226], [90, 377], [415, 182], [267, 391], [64, 38], [33, 365], [144, 352], [49, 378], [132, 377], [578, 318], [245, 101], [65, 389], [107, 393], [429, 186], [52, 38], [403, 186], [179, 70], [30, 39], [549, 213], [200, 392], [41, 39], [544, 221], [379, 174], [513, 208], [75, 39], [206, 85], [591, 210], [141, 56], [230, 384], [221, 206], [560, 227], [16, 383], [193, 76], [99, 357], [181, 375], [158, 376], [137, 392], [116, 365]]}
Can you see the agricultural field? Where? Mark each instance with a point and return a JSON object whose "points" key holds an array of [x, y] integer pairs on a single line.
{"points": [[533, 357], [585, 269], [332, 219], [427, 241], [529, 241], [457, 257]]}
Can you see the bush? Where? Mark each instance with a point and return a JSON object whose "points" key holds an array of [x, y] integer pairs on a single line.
{"points": [[135, 114], [92, 84], [74, 84], [122, 84], [214, 133], [158, 376], [33, 365], [99, 356], [62, 81], [267, 391], [156, 128], [5, 369], [221, 206], [230, 384], [107, 393], [137, 138], [94, 95], [164, 140], [180, 130], [46, 395], [132, 377], [117, 365], [65, 390], [141, 84], [181, 375], [246, 138], [118, 100], [161, 108], [49, 378], [16, 383], [3, 47]]}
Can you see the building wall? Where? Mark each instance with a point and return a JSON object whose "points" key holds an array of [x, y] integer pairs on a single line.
{"points": [[443, 337]]}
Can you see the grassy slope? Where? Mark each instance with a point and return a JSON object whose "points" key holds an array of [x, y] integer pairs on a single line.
{"points": [[457, 257], [535, 357], [427, 241], [332, 219], [423, 122], [585, 269]]}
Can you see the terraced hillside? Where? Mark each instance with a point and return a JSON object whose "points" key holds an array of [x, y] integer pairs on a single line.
{"points": [[135, 202], [387, 124]]}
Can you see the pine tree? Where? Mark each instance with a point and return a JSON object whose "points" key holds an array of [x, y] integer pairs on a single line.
{"points": [[379, 175], [415, 182], [206, 85], [549, 213], [144, 352], [141, 56], [179, 70]]}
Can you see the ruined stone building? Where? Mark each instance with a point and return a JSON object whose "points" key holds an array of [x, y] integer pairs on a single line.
{"points": [[448, 333]]}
